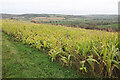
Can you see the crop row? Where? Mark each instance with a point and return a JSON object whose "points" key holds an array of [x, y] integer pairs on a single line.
{"points": [[89, 51]]}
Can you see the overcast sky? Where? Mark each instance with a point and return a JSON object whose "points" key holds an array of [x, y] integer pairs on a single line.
{"points": [[72, 7]]}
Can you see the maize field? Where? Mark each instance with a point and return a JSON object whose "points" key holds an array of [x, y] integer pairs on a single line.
{"points": [[89, 51]]}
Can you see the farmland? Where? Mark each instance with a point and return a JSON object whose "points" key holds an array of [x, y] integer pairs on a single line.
{"points": [[99, 22], [22, 61], [88, 51]]}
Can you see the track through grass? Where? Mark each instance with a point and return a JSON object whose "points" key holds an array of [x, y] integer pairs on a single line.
{"points": [[21, 61]]}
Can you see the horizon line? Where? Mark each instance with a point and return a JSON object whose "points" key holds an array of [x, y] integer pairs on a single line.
{"points": [[62, 14]]}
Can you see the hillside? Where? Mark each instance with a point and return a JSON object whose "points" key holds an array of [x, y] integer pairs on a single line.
{"points": [[21, 61], [90, 52], [99, 22]]}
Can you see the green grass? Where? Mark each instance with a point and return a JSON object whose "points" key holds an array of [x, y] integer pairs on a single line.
{"points": [[110, 25], [21, 61]]}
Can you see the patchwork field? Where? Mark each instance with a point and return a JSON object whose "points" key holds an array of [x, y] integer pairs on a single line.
{"points": [[98, 22]]}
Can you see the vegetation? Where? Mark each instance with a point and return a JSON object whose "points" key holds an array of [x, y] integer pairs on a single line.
{"points": [[99, 22], [89, 51], [21, 61]]}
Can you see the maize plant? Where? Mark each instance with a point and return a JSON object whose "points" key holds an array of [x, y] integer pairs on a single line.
{"points": [[71, 46]]}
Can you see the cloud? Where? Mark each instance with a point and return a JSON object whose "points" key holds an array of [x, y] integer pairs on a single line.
{"points": [[60, 6]]}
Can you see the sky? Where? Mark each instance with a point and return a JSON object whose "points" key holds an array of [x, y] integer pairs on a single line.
{"points": [[70, 7]]}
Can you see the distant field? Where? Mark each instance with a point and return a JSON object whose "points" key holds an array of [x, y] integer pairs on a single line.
{"points": [[47, 19], [80, 22], [110, 26], [99, 22], [91, 52]]}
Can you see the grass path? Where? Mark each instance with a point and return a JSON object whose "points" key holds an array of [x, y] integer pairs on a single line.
{"points": [[21, 61]]}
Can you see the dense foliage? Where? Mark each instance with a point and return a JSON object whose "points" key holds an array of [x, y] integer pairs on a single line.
{"points": [[90, 51]]}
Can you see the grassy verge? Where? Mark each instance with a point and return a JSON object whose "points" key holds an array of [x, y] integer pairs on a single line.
{"points": [[21, 61]]}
